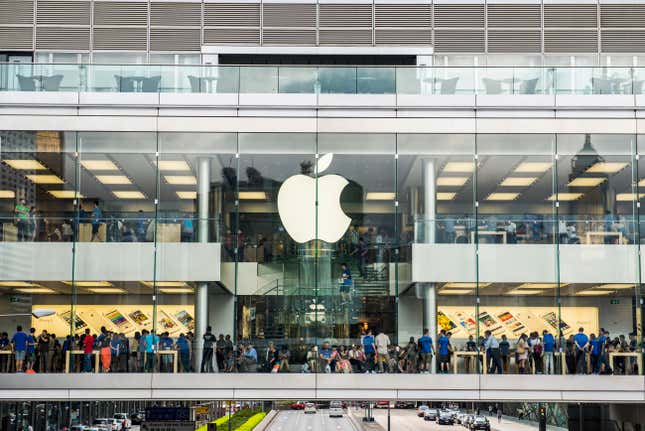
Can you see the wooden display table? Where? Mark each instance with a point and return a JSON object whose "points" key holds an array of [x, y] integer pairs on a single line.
{"points": [[480, 233], [637, 355], [469, 356], [85, 232], [603, 234], [97, 359]]}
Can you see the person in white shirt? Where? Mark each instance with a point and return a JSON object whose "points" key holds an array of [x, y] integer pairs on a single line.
{"points": [[382, 342]]}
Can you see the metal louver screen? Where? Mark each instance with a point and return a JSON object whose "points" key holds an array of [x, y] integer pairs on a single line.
{"points": [[405, 15], [459, 41], [232, 14], [175, 39], [175, 14], [120, 13], [62, 38], [519, 41], [120, 38], [570, 41], [570, 15], [623, 41], [345, 15], [458, 15], [288, 37], [245, 36], [622, 15], [63, 12], [346, 37], [16, 38], [514, 15], [16, 12], [289, 15], [403, 37]]}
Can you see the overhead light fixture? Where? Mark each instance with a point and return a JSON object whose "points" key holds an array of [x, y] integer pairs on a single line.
{"points": [[565, 196], [524, 292], [502, 196], [594, 292], [533, 167], [17, 284], [173, 165], [465, 285], [25, 164], [88, 283], [459, 167], [586, 182], [625, 197], [606, 168], [451, 181], [35, 290], [380, 196], [642, 182], [518, 181], [44, 179], [541, 285], [614, 286], [164, 283], [187, 195], [446, 196], [252, 196], [113, 179], [7, 194], [99, 165], [105, 290], [128, 194], [175, 291], [65, 194], [182, 180], [455, 291]]}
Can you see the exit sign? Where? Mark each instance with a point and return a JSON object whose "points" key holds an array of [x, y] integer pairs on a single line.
{"points": [[614, 301]]}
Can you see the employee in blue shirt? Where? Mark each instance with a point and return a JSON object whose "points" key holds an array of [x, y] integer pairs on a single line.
{"points": [[19, 341], [596, 353], [427, 350], [183, 347], [548, 341], [370, 350], [346, 282], [581, 342], [444, 352]]}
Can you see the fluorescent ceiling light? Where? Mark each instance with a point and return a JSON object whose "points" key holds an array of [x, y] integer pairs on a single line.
{"points": [[128, 194], [606, 168], [533, 167], [624, 197], [99, 165], [7, 194], [173, 165], [113, 179], [35, 290], [524, 292], [17, 284], [165, 283], [184, 290], [594, 292], [459, 167], [518, 181], [380, 196], [456, 292], [105, 290], [451, 181], [541, 285], [565, 196], [44, 179], [445, 196], [187, 195], [465, 285], [182, 180], [25, 164], [89, 283], [614, 286], [642, 182], [252, 196], [586, 182], [65, 194], [502, 196]]}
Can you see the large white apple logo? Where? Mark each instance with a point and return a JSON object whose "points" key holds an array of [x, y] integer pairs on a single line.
{"points": [[297, 205]]}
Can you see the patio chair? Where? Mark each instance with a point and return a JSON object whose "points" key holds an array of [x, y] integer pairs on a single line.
{"points": [[124, 84], [52, 83], [151, 85], [195, 84], [601, 86], [493, 86], [26, 83], [449, 86], [529, 86]]}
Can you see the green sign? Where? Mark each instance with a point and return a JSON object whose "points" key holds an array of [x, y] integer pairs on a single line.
{"points": [[614, 301]]}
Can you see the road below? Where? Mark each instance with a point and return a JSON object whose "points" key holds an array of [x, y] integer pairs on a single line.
{"points": [[407, 420], [291, 420]]}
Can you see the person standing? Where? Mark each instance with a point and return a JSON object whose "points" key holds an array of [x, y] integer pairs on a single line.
{"points": [[426, 348], [444, 352], [151, 341], [43, 351], [548, 342], [19, 342], [345, 282], [492, 345], [595, 352], [369, 347], [361, 256], [183, 347], [207, 355], [31, 350], [96, 221], [88, 351], [220, 355], [581, 342], [21, 214], [505, 353], [382, 342]]}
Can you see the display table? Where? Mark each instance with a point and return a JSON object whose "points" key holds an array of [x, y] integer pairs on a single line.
{"points": [[489, 233], [69, 353], [602, 234], [85, 232], [637, 355], [9, 232], [168, 232], [469, 355]]}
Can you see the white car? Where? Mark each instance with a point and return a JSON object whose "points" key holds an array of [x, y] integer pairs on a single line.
{"points": [[123, 417], [310, 408], [336, 409], [422, 410], [106, 424]]}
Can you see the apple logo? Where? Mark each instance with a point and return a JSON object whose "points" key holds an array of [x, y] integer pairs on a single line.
{"points": [[297, 205]]}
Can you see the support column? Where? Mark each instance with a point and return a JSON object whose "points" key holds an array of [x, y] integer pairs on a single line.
{"points": [[201, 294], [429, 214]]}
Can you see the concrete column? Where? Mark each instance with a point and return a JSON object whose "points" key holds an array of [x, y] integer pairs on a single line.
{"points": [[429, 290], [201, 294]]}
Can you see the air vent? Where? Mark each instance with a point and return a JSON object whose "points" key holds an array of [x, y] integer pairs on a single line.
{"points": [[232, 14], [17, 38], [570, 41], [120, 13], [120, 38], [623, 41], [345, 15], [570, 15], [63, 12], [63, 38], [459, 41], [519, 41], [622, 15], [288, 37], [346, 37], [175, 14], [289, 15], [16, 12], [403, 15], [245, 36], [458, 15], [403, 37], [176, 39], [514, 15]]}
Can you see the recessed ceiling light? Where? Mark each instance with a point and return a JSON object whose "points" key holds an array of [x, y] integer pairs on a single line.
{"points": [[183, 180], [7, 194], [586, 182], [451, 181], [502, 196], [524, 292], [465, 285], [165, 283], [113, 179], [594, 292], [614, 286], [128, 194], [624, 197], [44, 179], [606, 168], [99, 165], [35, 290], [106, 290], [65, 194], [445, 196], [456, 292], [17, 284], [380, 196], [187, 195], [173, 165], [518, 181], [89, 283], [541, 285], [565, 196], [459, 167], [25, 164], [533, 167], [180, 290], [253, 195]]}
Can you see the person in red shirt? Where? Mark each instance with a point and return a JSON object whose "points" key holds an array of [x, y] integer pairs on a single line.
{"points": [[88, 350]]}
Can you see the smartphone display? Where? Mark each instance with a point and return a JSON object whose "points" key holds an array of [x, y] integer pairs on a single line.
{"points": [[444, 322], [118, 319]]}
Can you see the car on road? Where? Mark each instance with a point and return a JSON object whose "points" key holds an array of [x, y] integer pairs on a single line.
{"points": [[298, 405], [480, 423], [336, 409], [421, 410], [404, 405], [78, 428], [137, 418], [431, 415], [121, 417], [107, 424], [382, 405], [310, 408], [466, 421], [445, 418]]}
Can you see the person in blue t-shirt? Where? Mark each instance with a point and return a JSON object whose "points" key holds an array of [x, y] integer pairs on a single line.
{"points": [[581, 344], [183, 347], [345, 282], [20, 341], [327, 363], [30, 358], [596, 351], [166, 343], [426, 349], [444, 352], [96, 221], [370, 350], [151, 342], [548, 341]]}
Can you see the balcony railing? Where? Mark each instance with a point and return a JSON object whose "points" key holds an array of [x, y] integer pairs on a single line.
{"points": [[401, 80]]}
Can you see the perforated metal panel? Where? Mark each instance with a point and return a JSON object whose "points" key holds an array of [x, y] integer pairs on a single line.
{"points": [[289, 15], [63, 38], [345, 15], [403, 37], [120, 13], [175, 14], [514, 15], [622, 15], [458, 15], [570, 15], [232, 14], [174, 39], [18, 38], [403, 15], [570, 41], [16, 12], [63, 12], [519, 41], [345, 37], [623, 41], [459, 41], [135, 39], [288, 37], [244, 36]]}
